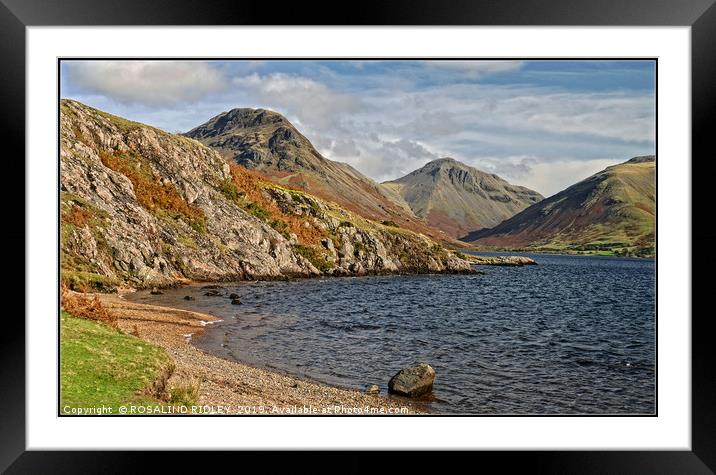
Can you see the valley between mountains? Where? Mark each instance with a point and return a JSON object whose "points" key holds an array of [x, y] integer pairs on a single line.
{"points": [[247, 196]]}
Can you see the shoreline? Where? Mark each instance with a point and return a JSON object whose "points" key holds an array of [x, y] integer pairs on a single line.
{"points": [[231, 387], [183, 281], [560, 253]]}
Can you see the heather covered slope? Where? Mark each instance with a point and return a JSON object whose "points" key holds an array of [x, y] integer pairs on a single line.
{"points": [[144, 207], [457, 198], [265, 141], [613, 211]]}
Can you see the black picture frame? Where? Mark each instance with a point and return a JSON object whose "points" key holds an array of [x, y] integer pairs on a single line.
{"points": [[700, 15]]}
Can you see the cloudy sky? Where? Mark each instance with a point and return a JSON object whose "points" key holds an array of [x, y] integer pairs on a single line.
{"points": [[542, 124]]}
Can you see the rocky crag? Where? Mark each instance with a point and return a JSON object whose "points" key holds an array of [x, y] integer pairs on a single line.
{"points": [[142, 207]]}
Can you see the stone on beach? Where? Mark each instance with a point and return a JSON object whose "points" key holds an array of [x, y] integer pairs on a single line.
{"points": [[156, 291], [230, 383], [413, 381], [372, 389]]}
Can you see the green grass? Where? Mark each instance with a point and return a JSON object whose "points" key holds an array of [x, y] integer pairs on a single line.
{"points": [[101, 366], [257, 210], [619, 250], [460, 255], [185, 394], [314, 206], [314, 256], [619, 245], [230, 192], [438, 252], [124, 125], [188, 241], [301, 197], [281, 226]]}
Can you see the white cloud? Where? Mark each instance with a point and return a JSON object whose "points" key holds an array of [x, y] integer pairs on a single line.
{"points": [[610, 115], [153, 83], [540, 138], [344, 148], [554, 176], [478, 108], [386, 125], [476, 69], [431, 124], [392, 159], [376, 157], [545, 176], [311, 102]]}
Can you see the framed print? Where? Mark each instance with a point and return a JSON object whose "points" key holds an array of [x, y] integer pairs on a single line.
{"points": [[464, 227]]}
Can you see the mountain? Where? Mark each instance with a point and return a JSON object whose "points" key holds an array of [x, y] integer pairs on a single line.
{"points": [[457, 198], [142, 207], [611, 211], [265, 141]]}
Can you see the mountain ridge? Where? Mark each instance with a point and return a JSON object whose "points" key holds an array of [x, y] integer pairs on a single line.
{"points": [[458, 198], [143, 207], [266, 142], [613, 210]]}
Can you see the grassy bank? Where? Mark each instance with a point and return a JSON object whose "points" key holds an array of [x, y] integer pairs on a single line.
{"points": [[119, 353], [634, 252], [102, 366]]}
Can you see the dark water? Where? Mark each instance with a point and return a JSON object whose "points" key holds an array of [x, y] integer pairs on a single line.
{"points": [[572, 335]]}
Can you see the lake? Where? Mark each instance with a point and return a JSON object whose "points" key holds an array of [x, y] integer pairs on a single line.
{"points": [[571, 335]]}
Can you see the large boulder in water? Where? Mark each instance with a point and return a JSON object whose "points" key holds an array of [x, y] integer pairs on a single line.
{"points": [[413, 382]]}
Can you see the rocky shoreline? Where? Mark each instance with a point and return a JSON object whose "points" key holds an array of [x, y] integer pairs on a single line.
{"points": [[229, 387], [514, 261], [141, 207]]}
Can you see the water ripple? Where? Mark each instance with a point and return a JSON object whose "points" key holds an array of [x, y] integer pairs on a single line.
{"points": [[573, 335]]}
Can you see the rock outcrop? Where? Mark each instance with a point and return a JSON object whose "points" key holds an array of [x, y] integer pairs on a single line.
{"points": [[143, 207], [510, 261], [413, 382]]}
